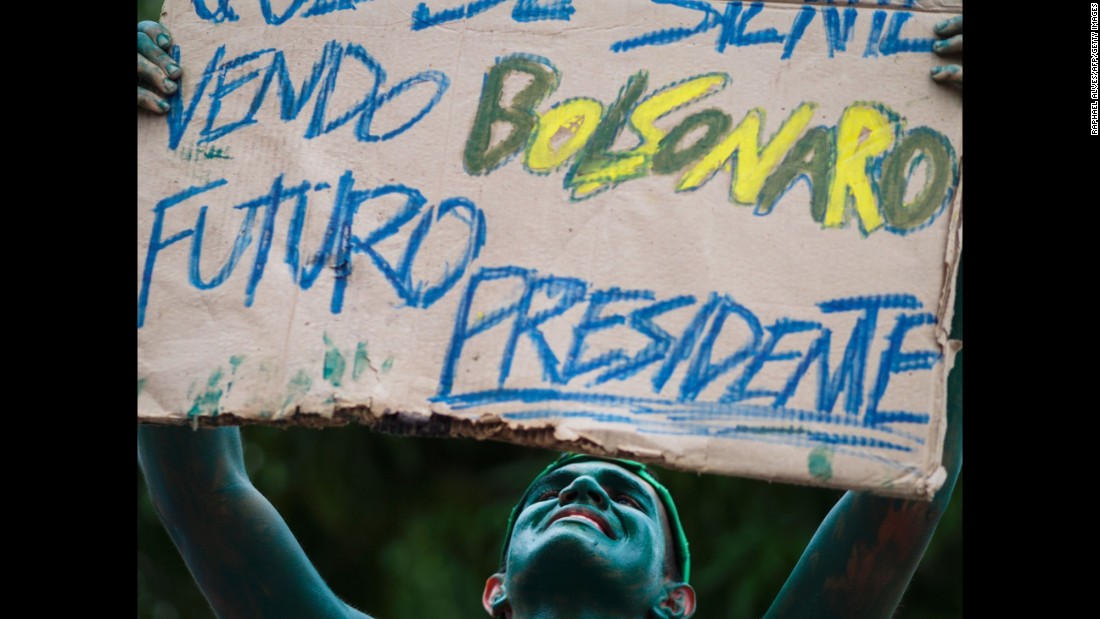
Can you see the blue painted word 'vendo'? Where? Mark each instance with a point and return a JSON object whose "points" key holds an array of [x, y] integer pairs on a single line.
{"points": [[266, 69]]}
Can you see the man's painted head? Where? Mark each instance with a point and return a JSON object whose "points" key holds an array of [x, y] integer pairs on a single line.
{"points": [[593, 535]]}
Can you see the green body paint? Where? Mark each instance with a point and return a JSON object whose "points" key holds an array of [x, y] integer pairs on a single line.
{"points": [[387, 364], [334, 364], [361, 362], [949, 26], [598, 531], [141, 385], [820, 463]]}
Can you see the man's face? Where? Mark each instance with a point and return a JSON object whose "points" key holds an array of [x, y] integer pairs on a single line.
{"points": [[591, 526]]}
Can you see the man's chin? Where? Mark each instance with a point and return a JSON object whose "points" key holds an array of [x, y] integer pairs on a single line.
{"points": [[576, 564], [574, 555], [568, 550]]}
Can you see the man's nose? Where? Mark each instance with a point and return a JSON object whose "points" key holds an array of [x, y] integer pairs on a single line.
{"points": [[584, 489]]}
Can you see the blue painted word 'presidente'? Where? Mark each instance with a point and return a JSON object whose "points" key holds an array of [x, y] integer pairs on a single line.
{"points": [[536, 301], [269, 66], [732, 22], [337, 247]]}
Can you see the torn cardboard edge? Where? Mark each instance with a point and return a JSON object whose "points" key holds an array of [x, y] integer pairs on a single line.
{"points": [[546, 435]]}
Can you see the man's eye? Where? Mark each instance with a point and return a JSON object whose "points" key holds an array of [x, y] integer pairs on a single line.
{"points": [[626, 499], [546, 496]]}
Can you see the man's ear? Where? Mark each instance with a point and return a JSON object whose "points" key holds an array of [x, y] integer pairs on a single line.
{"points": [[678, 602], [494, 599]]}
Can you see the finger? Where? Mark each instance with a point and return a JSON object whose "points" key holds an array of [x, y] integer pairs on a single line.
{"points": [[949, 27], [157, 33], [954, 45], [154, 76], [148, 100], [147, 48], [948, 74]]}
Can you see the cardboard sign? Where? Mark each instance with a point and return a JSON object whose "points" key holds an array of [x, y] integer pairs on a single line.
{"points": [[721, 236]]}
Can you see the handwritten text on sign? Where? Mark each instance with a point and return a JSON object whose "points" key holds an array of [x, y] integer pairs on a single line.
{"points": [[715, 234]]}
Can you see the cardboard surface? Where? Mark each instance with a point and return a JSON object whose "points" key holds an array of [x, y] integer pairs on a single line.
{"points": [[720, 236]]}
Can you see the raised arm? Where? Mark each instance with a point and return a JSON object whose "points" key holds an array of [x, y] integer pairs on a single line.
{"points": [[240, 551], [863, 555]]}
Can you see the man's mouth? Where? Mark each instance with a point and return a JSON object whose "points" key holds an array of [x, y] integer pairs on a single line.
{"points": [[585, 515]]}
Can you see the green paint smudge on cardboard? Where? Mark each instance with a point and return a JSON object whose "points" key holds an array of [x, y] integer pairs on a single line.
{"points": [[207, 402], [297, 387], [234, 363], [301, 382], [213, 152], [387, 364], [362, 361], [334, 363], [820, 463], [141, 385]]}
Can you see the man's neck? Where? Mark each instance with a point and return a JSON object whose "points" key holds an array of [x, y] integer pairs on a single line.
{"points": [[562, 609]]}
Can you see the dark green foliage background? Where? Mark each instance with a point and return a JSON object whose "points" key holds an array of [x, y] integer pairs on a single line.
{"points": [[402, 527]]}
